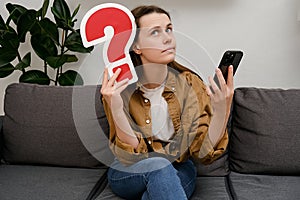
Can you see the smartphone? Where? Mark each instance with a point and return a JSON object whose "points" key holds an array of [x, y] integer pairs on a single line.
{"points": [[230, 57]]}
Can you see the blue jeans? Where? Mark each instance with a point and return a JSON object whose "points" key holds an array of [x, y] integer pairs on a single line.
{"points": [[153, 178]]}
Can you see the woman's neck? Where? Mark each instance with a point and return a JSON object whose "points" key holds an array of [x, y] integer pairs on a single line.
{"points": [[154, 75]]}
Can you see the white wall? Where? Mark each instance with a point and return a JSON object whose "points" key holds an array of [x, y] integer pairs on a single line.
{"points": [[268, 32]]}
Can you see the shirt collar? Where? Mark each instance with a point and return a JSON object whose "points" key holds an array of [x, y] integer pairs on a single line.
{"points": [[169, 85]]}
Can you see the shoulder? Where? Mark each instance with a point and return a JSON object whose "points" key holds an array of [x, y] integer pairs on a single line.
{"points": [[192, 78]]}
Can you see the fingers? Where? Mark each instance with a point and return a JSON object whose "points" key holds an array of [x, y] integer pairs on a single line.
{"points": [[112, 80], [214, 87], [230, 77], [208, 90], [120, 86], [105, 77], [221, 79], [110, 86]]}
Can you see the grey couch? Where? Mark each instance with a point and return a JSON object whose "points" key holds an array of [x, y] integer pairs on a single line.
{"points": [[54, 146]]}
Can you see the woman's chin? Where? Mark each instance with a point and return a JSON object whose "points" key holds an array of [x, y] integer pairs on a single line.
{"points": [[168, 58]]}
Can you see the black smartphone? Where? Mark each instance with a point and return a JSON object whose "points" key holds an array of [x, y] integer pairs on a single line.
{"points": [[230, 57]]}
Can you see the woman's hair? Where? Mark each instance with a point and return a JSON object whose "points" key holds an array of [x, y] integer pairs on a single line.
{"points": [[139, 12]]}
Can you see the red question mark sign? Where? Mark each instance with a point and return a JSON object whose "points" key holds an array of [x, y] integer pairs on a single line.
{"points": [[113, 24]]}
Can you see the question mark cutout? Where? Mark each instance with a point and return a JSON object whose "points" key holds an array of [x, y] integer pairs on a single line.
{"points": [[115, 25]]}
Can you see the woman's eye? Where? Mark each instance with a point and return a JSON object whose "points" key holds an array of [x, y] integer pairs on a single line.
{"points": [[155, 32], [169, 30]]}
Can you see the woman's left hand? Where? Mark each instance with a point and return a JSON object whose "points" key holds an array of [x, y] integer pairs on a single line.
{"points": [[221, 98]]}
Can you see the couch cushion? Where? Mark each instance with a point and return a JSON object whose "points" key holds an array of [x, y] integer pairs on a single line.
{"points": [[264, 187], [218, 168], [107, 194], [265, 131], [211, 188], [55, 125], [206, 188], [47, 183]]}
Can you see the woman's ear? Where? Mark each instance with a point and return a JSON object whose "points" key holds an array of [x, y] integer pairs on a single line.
{"points": [[136, 49]]}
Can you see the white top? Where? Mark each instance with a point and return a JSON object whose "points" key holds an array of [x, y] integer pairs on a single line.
{"points": [[162, 125]]}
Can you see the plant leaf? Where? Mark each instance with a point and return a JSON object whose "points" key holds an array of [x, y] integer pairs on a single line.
{"points": [[35, 76], [70, 78], [25, 62], [61, 12], [49, 28], [44, 8], [62, 9], [2, 24], [74, 43], [71, 58], [9, 38], [6, 70], [25, 23], [75, 12], [7, 55], [58, 61], [36, 28], [43, 46], [15, 12]]}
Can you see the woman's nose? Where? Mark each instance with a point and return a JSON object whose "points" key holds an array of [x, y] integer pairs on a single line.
{"points": [[167, 38]]}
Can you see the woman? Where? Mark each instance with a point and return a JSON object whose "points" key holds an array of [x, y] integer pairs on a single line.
{"points": [[167, 117]]}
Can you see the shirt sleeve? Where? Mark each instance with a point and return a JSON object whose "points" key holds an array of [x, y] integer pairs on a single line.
{"points": [[200, 145], [125, 153]]}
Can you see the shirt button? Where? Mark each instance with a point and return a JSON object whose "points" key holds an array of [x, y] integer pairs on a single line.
{"points": [[173, 88], [149, 142], [146, 100], [147, 121]]}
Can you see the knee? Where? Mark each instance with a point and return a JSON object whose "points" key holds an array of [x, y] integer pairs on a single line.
{"points": [[156, 163]]}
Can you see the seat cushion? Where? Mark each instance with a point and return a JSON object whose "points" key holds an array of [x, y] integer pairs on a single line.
{"points": [[264, 187], [265, 131], [55, 125], [107, 194], [219, 167], [47, 183], [206, 188], [211, 188]]}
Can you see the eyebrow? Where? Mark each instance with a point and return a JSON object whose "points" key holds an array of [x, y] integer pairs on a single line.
{"points": [[155, 27]]}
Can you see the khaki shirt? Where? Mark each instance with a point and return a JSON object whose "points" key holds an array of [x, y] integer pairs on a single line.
{"points": [[190, 111]]}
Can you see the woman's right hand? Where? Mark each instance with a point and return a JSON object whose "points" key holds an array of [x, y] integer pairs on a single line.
{"points": [[111, 90]]}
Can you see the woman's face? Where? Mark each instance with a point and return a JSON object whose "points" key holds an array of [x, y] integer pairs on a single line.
{"points": [[156, 42]]}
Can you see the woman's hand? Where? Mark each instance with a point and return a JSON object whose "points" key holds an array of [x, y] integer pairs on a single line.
{"points": [[221, 98], [111, 90]]}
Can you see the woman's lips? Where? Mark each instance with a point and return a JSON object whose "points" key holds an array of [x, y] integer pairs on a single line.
{"points": [[171, 50]]}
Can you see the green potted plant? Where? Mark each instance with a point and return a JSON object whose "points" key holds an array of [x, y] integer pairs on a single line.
{"points": [[54, 42]]}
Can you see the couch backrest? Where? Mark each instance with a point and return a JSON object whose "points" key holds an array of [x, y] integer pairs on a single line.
{"points": [[54, 125], [265, 133]]}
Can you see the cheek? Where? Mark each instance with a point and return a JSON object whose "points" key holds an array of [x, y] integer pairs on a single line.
{"points": [[150, 43], [151, 53]]}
